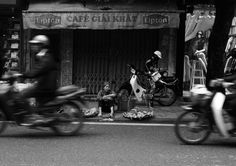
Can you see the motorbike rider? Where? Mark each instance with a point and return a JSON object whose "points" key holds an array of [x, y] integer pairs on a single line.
{"points": [[231, 77], [152, 63], [152, 66], [44, 73], [232, 97]]}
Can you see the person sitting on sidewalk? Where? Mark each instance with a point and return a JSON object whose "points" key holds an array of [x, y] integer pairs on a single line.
{"points": [[106, 99]]}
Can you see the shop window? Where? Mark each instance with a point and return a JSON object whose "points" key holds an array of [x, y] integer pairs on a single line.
{"points": [[10, 44]]}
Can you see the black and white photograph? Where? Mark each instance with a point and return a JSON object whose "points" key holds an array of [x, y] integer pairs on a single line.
{"points": [[117, 82]]}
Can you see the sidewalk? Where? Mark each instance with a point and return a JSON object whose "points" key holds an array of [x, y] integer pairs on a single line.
{"points": [[162, 114]]}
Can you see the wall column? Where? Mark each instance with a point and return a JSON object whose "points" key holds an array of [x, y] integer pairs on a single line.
{"points": [[180, 52], [163, 46], [66, 47], [172, 52], [26, 57]]}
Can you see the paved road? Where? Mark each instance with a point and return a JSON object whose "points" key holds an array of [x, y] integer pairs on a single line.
{"points": [[112, 145]]}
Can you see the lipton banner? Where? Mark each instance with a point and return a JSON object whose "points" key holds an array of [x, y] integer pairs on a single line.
{"points": [[97, 20]]}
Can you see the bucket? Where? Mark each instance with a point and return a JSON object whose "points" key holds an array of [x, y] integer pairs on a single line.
{"points": [[123, 104]]}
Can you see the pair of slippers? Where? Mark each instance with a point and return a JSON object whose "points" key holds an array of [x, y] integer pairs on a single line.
{"points": [[106, 118]]}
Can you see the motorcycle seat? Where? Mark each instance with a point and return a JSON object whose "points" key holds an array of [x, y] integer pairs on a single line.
{"points": [[66, 90], [170, 82], [169, 79]]}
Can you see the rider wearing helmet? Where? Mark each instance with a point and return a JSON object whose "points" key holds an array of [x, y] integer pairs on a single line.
{"points": [[44, 71], [152, 66], [152, 63], [232, 96]]}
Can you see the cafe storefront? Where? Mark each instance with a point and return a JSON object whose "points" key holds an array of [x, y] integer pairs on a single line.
{"points": [[94, 46]]}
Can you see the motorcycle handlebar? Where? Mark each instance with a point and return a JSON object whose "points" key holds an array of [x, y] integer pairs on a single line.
{"points": [[220, 83], [11, 76], [137, 71], [227, 84]]}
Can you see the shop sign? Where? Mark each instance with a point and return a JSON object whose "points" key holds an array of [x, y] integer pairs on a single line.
{"points": [[156, 19], [99, 20], [47, 20]]}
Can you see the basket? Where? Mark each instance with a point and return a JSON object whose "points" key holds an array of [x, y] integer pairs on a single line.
{"points": [[138, 114], [156, 76]]}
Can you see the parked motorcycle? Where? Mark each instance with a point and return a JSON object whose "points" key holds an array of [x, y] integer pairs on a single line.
{"points": [[209, 112], [65, 110], [164, 92]]}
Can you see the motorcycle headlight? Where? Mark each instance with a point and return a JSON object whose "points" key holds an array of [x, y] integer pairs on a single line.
{"points": [[196, 97], [201, 99]]}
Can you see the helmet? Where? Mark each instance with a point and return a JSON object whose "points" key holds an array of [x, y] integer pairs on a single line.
{"points": [[158, 54], [40, 39]]}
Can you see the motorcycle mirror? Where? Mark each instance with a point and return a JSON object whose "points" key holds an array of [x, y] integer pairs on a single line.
{"points": [[130, 66], [132, 71], [165, 74]]}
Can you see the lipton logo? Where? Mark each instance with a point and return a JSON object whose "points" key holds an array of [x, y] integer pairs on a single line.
{"points": [[156, 19], [47, 20]]}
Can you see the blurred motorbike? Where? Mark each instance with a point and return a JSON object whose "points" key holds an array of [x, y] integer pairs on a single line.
{"points": [[163, 92], [65, 110], [230, 64], [209, 112]]}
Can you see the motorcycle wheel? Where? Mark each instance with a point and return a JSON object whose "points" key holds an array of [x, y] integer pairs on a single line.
{"points": [[191, 128], [3, 123], [164, 97], [70, 120]]}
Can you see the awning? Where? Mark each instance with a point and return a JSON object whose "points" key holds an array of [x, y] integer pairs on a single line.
{"points": [[200, 20], [232, 31], [77, 17], [100, 20], [203, 20]]}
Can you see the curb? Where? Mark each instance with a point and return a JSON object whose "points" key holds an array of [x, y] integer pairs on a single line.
{"points": [[167, 118], [157, 120], [164, 114]]}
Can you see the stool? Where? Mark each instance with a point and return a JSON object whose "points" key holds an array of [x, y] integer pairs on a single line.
{"points": [[197, 74]]}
